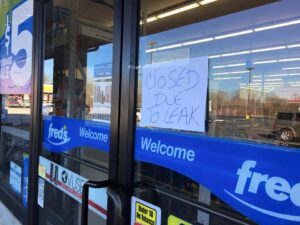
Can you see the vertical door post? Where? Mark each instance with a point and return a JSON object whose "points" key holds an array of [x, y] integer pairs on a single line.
{"points": [[36, 109]]}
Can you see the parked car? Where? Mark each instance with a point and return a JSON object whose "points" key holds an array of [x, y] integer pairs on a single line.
{"points": [[47, 109], [13, 102], [26, 103], [287, 125]]}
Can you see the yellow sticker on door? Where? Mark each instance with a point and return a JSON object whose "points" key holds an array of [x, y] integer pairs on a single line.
{"points": [[173, 220], [144, 213]]}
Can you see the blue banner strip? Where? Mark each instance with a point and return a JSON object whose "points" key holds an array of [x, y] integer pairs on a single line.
{"points": [[62, 134], [261, 181]]}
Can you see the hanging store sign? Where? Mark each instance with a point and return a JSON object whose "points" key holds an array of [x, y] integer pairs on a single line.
{"points": [[102, 92], [261, 181], [16, 25], [62, 134]]}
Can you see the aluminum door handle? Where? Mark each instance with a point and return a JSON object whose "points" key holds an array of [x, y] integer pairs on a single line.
{"points": [[111, 194]]}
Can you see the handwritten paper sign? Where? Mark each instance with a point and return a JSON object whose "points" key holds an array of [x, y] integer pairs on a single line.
{"points": [[174, 94]]}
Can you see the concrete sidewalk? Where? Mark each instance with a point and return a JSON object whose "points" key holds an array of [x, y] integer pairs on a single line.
{"points": [[6, 217]]}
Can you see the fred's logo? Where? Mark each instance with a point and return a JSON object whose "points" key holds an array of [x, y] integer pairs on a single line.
{"points": [[276, 188], [58, 136]]}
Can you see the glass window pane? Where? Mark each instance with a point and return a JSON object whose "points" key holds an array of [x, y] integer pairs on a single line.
{"points": [[76, 109], [218, 89]]}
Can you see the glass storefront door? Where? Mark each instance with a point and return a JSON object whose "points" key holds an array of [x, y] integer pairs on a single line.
{"points": [[218, 102], [76, 110], [16, 28], [203, 130]]}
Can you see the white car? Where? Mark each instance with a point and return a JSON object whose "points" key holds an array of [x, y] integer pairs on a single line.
{"points": [[26, 103], [47, 109]]}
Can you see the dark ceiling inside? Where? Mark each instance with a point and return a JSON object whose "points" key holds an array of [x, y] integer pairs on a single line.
{"points": [[216, 9]]}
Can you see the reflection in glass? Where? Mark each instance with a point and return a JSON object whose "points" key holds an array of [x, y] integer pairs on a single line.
{"points": [[251, 77], [76, 103], [253, 51]]}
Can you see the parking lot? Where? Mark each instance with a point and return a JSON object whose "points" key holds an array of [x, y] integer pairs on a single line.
{"points": [[16, 116], [255, 129], [259, 129]]}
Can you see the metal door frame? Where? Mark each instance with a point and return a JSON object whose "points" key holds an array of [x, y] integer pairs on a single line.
{"points": [[123, 108], [117, 108]]}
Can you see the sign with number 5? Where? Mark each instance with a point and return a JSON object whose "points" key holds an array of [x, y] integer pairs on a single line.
{"points": [[16, 25]]}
